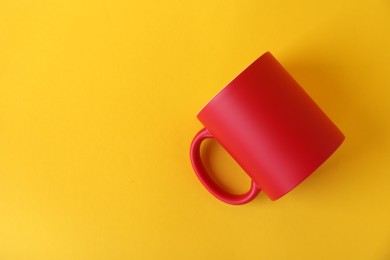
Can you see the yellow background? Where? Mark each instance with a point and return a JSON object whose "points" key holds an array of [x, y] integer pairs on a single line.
{"points": [[97, 111]]}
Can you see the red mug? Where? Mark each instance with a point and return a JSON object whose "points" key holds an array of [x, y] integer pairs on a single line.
{"points": [[270, 126]]}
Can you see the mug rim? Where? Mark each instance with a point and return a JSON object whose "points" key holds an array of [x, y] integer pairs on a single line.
{"points": [[230, 85]]}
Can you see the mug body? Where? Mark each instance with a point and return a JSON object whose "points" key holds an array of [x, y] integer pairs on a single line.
{"points": [[271, 127]]}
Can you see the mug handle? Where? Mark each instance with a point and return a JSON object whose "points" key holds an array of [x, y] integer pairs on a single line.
{"points": [[206, 180]]}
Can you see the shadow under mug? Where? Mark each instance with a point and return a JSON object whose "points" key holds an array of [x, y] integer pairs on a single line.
{"points": [[270, 126]]}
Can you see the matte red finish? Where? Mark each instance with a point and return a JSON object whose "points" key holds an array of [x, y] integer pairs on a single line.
{"points": [[270, 126]]}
